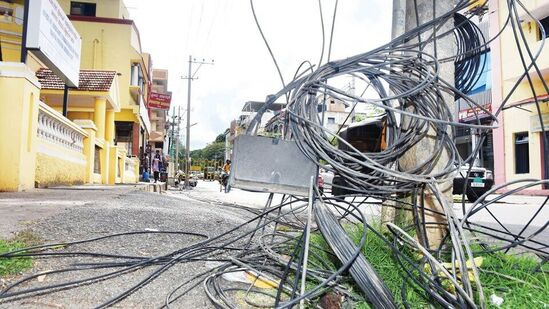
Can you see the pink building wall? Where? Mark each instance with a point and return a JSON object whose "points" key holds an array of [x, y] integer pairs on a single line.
{"points": [[497, 95]]}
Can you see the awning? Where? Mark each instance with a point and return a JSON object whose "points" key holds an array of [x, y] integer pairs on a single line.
{"points": [[541, 98], [93, 84]]}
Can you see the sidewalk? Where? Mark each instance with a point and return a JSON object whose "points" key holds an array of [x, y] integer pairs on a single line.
{"points": [[210, 191], [20, 209], [513, 210]]}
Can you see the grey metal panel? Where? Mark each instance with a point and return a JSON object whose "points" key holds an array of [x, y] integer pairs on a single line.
{"points": [[270, 165]]}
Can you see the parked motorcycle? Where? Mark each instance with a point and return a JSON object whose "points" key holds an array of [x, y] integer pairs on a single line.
{"points": [[224, 182]]}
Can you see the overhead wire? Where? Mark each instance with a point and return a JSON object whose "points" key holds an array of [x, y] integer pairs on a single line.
{"points": [[405, 80]]}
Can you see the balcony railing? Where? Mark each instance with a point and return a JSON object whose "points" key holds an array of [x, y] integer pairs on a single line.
{"points": [[56, 129], [482, 98]]}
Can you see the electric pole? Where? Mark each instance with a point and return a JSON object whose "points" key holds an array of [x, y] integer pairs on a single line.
{"points": [[177, 139], [171, 145], [190, 77], [405, 19]]}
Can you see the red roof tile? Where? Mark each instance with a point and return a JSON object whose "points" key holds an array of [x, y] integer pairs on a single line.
{"points": [[90, 80]]}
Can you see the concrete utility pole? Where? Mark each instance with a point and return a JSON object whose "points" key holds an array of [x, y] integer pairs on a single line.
{"points": [[177, 136], [190, 78], [405, 19], [188, 137], [399, 18], [390, 213], [171, 146]]}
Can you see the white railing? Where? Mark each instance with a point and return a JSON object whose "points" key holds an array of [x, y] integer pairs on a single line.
{"points": [[55, 128]]}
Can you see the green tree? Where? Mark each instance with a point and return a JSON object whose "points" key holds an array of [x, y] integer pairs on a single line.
{"points": [[214, 151], [221, 137], [197, 154]]}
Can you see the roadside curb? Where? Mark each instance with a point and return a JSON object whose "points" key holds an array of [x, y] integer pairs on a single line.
{"points": [[153, 187]]}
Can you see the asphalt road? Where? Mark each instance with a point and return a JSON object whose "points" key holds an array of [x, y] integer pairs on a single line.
{"points": [[62, 215], [511, 212], [69, 215]]}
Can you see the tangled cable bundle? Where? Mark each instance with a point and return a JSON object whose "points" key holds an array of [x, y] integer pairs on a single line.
{"points": [[273, 248]]}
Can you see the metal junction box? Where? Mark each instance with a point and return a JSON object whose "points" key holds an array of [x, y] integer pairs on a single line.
{"points": [[270, 165]]}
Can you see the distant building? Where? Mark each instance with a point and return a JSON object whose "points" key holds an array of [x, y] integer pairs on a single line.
{"points": [[339, 114], [107, 124], [335, 115], [519, 151], [159, 124], [249, 111], [111, 42], [481, 92], [515, 150]]}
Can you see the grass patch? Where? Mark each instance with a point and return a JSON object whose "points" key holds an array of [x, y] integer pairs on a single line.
{"points": [[381, 257], [514, 278], [12, 266]]}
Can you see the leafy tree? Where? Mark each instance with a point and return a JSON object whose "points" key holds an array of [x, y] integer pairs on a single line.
{"points": [[214, 151], [221, 137], [197, 154]]}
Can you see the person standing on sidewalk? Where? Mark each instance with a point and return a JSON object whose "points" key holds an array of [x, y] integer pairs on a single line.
{"points": [[157, 160]]}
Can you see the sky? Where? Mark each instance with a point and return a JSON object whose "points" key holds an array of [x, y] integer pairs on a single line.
{"points": [[225, 31]]}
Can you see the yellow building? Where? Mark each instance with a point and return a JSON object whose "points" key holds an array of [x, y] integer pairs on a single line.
{"points": [[111, 41], [107, 118], [159, 116], [519, 144]]}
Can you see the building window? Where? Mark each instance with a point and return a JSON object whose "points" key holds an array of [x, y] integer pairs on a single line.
{"points": [[97, 161], [82, 8], [331, 120], [134, 78], [124, 135], [522, 158], [545, 25]]}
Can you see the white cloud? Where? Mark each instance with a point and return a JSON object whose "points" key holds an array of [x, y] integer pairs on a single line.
{"points": [[225, 31]]}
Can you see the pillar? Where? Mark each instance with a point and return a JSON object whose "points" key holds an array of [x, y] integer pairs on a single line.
{"points": [[122, 165], [109, 127], [135, 140], [105, 163], [89, 146], [19, 101], [136, 169], [498, 134], [99, 116], [113, 163]]}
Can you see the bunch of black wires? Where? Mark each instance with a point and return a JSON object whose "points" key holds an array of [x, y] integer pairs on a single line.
{"points": [[273, 249]]}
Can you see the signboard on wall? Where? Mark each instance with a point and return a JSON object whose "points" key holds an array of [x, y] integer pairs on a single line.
{"points": [[472, 113], [160, 100], [54, 40], [535, 123]]}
